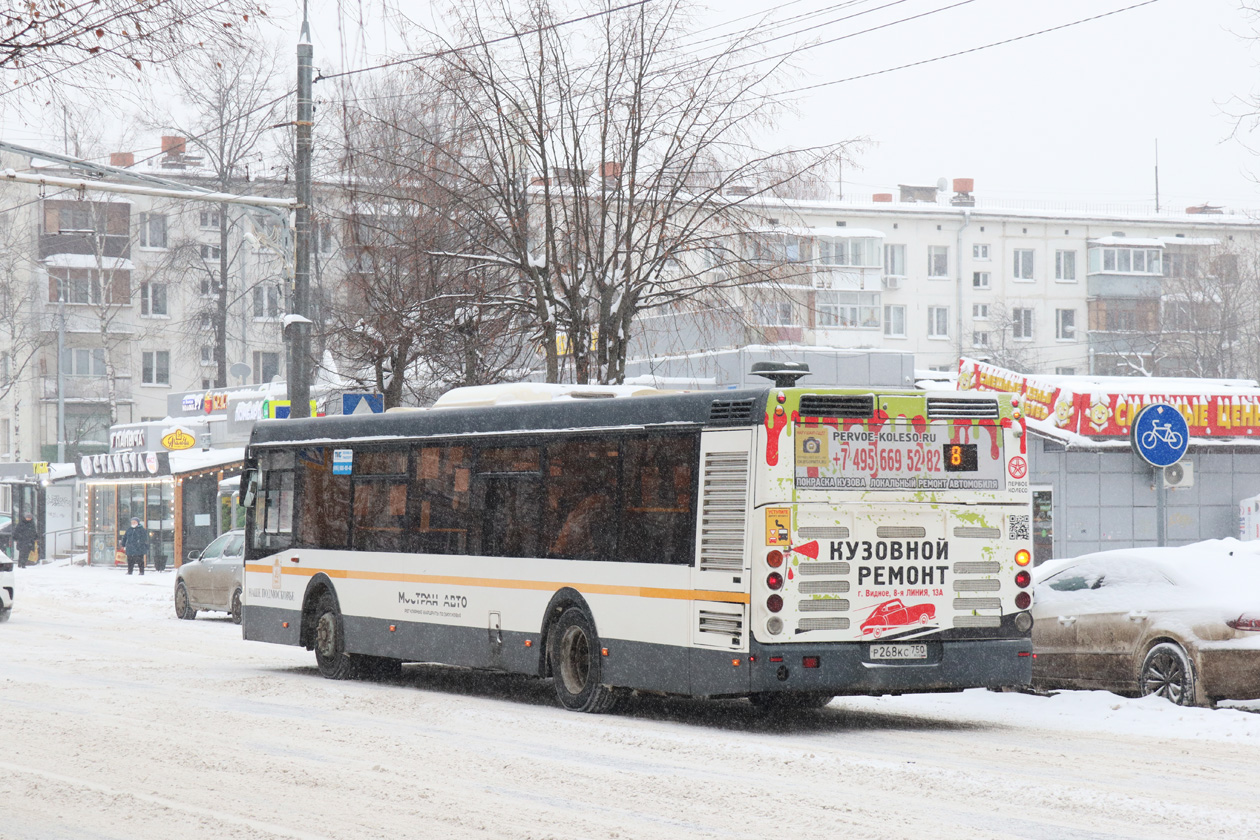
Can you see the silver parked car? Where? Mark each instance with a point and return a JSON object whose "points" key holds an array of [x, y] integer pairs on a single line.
{"points": [[211, 579], [7, 586]]}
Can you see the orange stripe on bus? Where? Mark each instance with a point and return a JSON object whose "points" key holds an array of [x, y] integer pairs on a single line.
{"points": [[540, 585]]}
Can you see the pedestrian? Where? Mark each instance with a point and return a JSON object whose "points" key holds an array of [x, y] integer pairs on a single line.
{"points": [[25, 535], [135, 543]]}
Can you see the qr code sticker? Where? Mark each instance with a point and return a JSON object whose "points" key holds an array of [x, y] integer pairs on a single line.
{"points": [[1019, 527]]}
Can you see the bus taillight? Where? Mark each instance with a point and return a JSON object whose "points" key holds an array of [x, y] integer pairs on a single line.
{"points": [[1022, 579], [774, 603], [1022, 600], [774, 559], [774, 580], [1022, 557]]}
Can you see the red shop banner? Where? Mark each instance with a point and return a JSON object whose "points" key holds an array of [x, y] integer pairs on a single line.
{"points": [[1079, 406]]}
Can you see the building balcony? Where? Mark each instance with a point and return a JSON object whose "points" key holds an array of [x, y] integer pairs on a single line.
{"points": [[84, 242], [87, 388]]}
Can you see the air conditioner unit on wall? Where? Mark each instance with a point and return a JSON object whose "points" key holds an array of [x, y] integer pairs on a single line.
{"points": [[1178, 475], [892, 283]]}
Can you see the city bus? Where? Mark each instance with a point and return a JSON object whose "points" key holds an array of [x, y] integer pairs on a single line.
{"points": [[782, 544]]}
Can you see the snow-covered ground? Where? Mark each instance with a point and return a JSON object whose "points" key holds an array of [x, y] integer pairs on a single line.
{"points": [[119, 721]]}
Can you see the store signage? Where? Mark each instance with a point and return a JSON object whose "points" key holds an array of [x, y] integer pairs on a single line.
{"points": [[177, 439], [126, 439], [1055, 406], [249, 410], [343, 461], [123, 465]]}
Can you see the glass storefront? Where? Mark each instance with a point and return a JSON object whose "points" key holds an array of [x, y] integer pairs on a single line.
{"points": [[111, 507]]}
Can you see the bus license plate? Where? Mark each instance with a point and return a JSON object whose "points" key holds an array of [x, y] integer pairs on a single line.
{"points": [[898, 651]]}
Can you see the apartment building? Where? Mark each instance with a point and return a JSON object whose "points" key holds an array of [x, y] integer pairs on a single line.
{"points": [[935, 275], [109, 303]]}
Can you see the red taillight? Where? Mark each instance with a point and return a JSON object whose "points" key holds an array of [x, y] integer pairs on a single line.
{"points": [[1245, 622], [774, 603], [774, 580], [809, 662], [1022, 579], [1022, 600], [781, 397], [774, 559]]}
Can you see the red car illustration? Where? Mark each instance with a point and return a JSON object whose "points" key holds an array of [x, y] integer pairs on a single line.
{"points": [[896, 614]]}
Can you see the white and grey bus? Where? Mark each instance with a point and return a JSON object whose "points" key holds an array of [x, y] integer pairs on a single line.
{"points": [[784, 544]]}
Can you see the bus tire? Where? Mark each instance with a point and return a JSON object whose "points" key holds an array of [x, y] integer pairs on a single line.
{"points": [[236, 610], [792, 701], [330, 642], [576, 664]]}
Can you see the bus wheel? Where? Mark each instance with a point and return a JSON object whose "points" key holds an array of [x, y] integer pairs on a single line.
{"points": [[330, 642], [236, 607], [574, 651], [789, 701]]}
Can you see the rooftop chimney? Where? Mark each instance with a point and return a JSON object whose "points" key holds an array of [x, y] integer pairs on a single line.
{"points": [[122, 159], [963, 188], [173, 146]]}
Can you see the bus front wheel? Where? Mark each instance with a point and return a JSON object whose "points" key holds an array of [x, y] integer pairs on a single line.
{"points": [[330, 642], [576, 664]]}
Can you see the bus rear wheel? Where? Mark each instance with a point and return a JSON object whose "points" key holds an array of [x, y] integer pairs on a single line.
{"points": [[576, 664], [330, 642]]}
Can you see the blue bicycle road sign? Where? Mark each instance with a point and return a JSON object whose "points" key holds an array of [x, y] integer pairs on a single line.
{"points": [[1160, 435]]}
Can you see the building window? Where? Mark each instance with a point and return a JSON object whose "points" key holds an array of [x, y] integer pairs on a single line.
{"points": [[773, 314], [980, 339], [322, 232], [979, 279], [83, 362], [152, 233], [938, 322], [153, 299], [209, 252], [1065, 266], [1065, 371], [210, 219], [855, 252], [1065, 324], [895, 260], [895, 321], [1121, 320], [938, 261], [266, 367], [980, 252], [155, 366], [205, 322], [1023, 264], [207, 354], [266, 302], [1126, 260], [1022, 324], [848, 310], [980, 311]]}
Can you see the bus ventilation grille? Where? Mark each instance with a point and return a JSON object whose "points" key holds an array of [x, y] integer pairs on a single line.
{"points": [[822, 624], [951, 408], [977, 621], [978, 585], [978, 604], [826, 532], [977, 567], [727, 626], [731, 411], [824, 605], [810, 587], [723, 511], [973, 532], [830, 405], [822, 569]]}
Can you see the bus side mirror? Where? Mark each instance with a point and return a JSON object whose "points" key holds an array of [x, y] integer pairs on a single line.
{"points": [[251, 489]]}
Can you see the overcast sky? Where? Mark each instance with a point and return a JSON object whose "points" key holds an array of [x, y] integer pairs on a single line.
{"points": [[1067, 117]]}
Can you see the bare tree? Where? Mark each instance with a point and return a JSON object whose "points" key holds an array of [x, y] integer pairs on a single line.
{"points": [[1004, 338], [21, 339], [69, 43], [610, 167]]}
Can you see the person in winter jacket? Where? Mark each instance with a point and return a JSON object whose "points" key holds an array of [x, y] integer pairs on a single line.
{"points": [[24, 536], [135, 542]]}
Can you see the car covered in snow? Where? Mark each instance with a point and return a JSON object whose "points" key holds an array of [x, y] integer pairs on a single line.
{"points": [[7, 587], [211, 579], [1182, 623], [893, 614]]}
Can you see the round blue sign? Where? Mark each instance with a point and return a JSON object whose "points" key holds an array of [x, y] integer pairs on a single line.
{"points": [[1160, 435]]}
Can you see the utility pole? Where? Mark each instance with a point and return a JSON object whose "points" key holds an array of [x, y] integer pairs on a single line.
{"points": [[61, 381], [298, 329]]}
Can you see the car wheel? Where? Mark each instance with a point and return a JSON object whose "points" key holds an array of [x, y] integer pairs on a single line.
{"points": [[576, 664], [330, 643], [790, 701], [183, 606], [236, 607], [1166, 671], [5, 613]]}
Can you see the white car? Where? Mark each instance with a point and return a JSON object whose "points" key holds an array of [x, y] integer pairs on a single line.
{"points": [[212, 579], [7, 582]]}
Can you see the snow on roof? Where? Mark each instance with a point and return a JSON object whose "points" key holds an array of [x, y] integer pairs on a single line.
{"points": [[1189, 240], [828, 232], [194, 460], [531, 392], [87, 261], [1130, 241]]}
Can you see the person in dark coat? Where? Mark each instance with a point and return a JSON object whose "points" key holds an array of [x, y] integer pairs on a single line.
{"points": [[135, 542], [24, 536]]}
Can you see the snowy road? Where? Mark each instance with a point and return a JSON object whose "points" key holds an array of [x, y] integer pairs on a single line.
{"points": [[119, 721]]}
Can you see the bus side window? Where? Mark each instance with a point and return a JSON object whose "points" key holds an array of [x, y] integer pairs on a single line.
{"points": [[507, 502], [580, 520], [273, 511], [443, 497], [659, 509], [323, 500]]}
